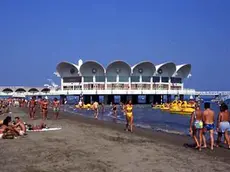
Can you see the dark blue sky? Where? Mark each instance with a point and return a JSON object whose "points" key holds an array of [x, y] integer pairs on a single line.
{"points": [[36, 35]]}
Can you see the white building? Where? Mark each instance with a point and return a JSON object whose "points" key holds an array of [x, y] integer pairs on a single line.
{"points": [[119, 75]]}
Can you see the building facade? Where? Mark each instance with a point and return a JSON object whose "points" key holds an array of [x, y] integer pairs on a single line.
{"points": [[119, 75]]}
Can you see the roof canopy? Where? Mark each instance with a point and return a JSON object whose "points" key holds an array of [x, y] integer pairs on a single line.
{"points": [[182, 71], [165, 69], [90, 68], [66, 69], [143, 68], [118, 68]]}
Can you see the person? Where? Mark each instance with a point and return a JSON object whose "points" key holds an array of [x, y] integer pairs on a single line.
{"points": [[102, 108], [129, 116], [20, 126], [32, 107], [223, 125], [114, 109], [196, 126], [95, 109], [56, 107], [208, 120], [44, 106], [6, 130]]}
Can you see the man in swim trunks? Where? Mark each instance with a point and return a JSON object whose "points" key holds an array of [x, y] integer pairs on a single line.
{"points": [[56, 107], [208, 120], [20, 126], [7, 130], [114, 109], [196, 125], [44, 104], [32, 107], [223, 125], [95, 108]]}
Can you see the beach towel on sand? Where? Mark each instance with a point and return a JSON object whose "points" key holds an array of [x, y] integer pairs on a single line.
{"points": [[45, 129]]}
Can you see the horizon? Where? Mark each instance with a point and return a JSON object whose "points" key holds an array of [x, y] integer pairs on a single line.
{"points": [[36, 36]]}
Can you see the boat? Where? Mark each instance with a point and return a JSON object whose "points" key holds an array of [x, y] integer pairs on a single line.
{"points": [[85, 106], [182, 108]]}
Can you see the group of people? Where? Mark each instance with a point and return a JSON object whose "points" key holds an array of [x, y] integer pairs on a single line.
{"points": [[126, 109], [10, 129], [43, 105], [202, 122]]}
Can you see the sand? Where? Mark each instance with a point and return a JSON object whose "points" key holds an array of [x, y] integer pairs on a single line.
{"points": [[89, 145]]}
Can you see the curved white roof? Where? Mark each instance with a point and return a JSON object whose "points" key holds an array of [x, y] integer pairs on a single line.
{"points": [[90, 67], [118, 67], [165, 69], [183, 70], [144, 68], [66, 69]]}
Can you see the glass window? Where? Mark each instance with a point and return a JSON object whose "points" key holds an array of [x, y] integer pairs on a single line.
{"points": [[71, 79], [111, 78], [176, 80], [100, 78], [165, 79], [123, 78], [146, 78], [135, 79], [156, 79], [88, 78]]}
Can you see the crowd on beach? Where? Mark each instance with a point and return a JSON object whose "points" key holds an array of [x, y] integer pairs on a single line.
{"points": [[202, 122]]}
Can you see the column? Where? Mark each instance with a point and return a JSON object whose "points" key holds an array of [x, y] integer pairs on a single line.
{"points": [[129, 82], [82, 83], [151, 82], [62, 84], [169, 83], [106, 83], [168, 98]]}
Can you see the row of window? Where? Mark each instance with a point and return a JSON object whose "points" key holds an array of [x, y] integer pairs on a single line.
{"points": [[121, 87], [121, 79]]}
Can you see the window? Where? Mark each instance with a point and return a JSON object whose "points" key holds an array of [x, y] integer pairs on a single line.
{"points": [[123, 78], [100, 78], [146, 78], [111, 78], [165, 79], [135, 79], [176, 80], [72, 79], [156, 79], [88, 78]]}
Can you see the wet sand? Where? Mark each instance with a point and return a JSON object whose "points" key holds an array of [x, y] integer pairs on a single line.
{"points": [[90, 145]]}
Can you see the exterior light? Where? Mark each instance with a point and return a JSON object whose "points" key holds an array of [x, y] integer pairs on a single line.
{"points": [[140, 70], [160, 71], [94, 70], [118, 70], [72, 71]]}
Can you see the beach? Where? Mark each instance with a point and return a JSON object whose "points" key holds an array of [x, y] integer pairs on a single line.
{"points": [[90, 145]]}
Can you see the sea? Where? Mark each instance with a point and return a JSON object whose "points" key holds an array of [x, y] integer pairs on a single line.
{"points": [[146, 117]]}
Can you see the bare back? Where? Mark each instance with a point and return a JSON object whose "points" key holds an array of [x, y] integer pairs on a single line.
{"points": [[198, 115], [208, 116], [224, 116]]}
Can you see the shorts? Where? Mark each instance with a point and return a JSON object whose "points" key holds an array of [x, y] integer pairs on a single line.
{"points": [[224, 126], [198, 124], [21, 133], [56, 109], [209, 127]]}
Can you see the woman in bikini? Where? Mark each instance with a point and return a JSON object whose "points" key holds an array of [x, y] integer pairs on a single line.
{"points": [[129, 116], [56, 108]]}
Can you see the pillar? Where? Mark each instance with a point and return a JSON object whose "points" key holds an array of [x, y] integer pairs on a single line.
{"points": [[105, 99], [123, 98], [86, 99], [110, 99], [182, 97], [169, 98], [149, 99], [62, 99], [95, 98], [134, 99]]}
